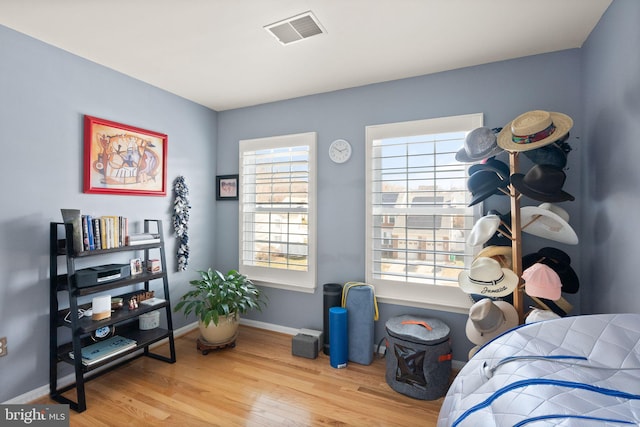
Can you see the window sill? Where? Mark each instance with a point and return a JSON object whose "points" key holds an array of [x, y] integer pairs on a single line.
{"points": [[443, 298], [284, 286], [450, 308]]}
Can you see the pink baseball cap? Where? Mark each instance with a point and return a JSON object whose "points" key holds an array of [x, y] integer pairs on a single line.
{"points": [[542, 281]]}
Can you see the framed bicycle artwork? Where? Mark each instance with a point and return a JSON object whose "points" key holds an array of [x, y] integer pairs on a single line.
{"points": [[123, 159]]}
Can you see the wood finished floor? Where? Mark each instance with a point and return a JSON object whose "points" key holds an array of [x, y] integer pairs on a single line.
{"points": [[257, 383]]}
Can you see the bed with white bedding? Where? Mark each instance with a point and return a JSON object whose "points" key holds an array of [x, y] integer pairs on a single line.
{"points": [[575, 371]]}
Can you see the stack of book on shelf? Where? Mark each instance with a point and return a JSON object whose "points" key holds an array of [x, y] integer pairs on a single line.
{"points": [[142, 239], [91, 233], [105, 232], [152, 301], [94, 353]]}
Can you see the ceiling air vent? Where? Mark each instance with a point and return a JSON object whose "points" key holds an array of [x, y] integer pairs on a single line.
{"points": [[296, 28]]}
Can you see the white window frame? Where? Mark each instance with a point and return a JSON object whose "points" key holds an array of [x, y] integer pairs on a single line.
{"points": [[302, 281], [432, 296]]}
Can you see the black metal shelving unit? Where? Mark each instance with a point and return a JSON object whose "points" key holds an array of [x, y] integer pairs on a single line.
{"points": [[124, 320]]}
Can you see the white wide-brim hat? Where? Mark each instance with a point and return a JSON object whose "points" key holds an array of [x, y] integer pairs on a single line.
{"points": [[488, 319], [487, 278], [534, 129], [548, 221], [483, 229]]}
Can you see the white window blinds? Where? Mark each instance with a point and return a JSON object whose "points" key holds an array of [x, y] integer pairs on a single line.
{"points": [[277, 210], [418, 217]]}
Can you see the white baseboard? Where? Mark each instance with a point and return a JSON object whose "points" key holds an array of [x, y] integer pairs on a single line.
{"points": [[270, 326], [43, 391], [29, 396]]}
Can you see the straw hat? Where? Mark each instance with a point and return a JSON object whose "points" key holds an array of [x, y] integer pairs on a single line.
{"points": [[488, 319], [548, 221], [534, 129], [502, 254], [560, 307], [479, 144], [486, 277]]}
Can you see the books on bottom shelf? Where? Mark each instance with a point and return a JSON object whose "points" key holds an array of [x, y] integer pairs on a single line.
{"points": [[94, 353]]}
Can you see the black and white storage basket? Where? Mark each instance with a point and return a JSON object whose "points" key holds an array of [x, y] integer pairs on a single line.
{"points": [[418, 356]]}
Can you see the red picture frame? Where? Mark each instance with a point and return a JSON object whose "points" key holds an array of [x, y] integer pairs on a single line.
{"points": [[122, 159]]}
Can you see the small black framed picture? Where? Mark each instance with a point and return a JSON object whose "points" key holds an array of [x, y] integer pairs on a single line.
{"points": [[227, 187]]}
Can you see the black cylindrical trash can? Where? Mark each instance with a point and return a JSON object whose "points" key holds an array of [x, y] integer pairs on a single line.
{"points": [[332, 298]]}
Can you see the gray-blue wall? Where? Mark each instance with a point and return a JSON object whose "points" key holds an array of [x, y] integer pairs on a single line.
{"points": [[500, 90], [45, 91], [611, 196]]}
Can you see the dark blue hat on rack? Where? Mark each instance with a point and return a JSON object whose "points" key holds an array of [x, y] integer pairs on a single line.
{"points": [[554, 154], [485, 183], [487, 178], [479, 144], [501, 168]]}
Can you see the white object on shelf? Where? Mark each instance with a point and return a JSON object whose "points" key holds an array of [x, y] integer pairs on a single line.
{"points": [[149, 320]]}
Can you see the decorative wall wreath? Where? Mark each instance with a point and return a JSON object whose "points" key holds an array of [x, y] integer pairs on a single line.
{"points": [[181, 209]]}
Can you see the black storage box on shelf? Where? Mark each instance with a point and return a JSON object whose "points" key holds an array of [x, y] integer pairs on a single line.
{"points": [[418, 356], [101, 274]]}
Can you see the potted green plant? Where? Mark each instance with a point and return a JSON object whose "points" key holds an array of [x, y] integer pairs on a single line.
{"points": [[217, 300]]}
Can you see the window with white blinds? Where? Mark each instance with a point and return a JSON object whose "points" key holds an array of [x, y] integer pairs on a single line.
{"points": [[417, 213], [277, 210]]}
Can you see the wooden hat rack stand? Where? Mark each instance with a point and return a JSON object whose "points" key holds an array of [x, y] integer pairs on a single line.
{"points": [[516, 227]]}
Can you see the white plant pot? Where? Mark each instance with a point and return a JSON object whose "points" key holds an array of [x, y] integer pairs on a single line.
{"points": [[225, 332]]}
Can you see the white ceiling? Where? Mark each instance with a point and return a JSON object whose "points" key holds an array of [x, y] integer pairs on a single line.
{"points": [[217, 53]]}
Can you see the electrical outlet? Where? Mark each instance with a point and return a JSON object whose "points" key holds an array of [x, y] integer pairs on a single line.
{"points": [[3, 346]]}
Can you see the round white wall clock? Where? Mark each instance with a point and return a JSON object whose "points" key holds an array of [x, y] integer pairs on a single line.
{"points": [[340, 151]]}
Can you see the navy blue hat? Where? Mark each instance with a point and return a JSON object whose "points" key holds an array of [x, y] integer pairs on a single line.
{"points": [[501, 168], [485, 183], [554, 154], [486, 179]]}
